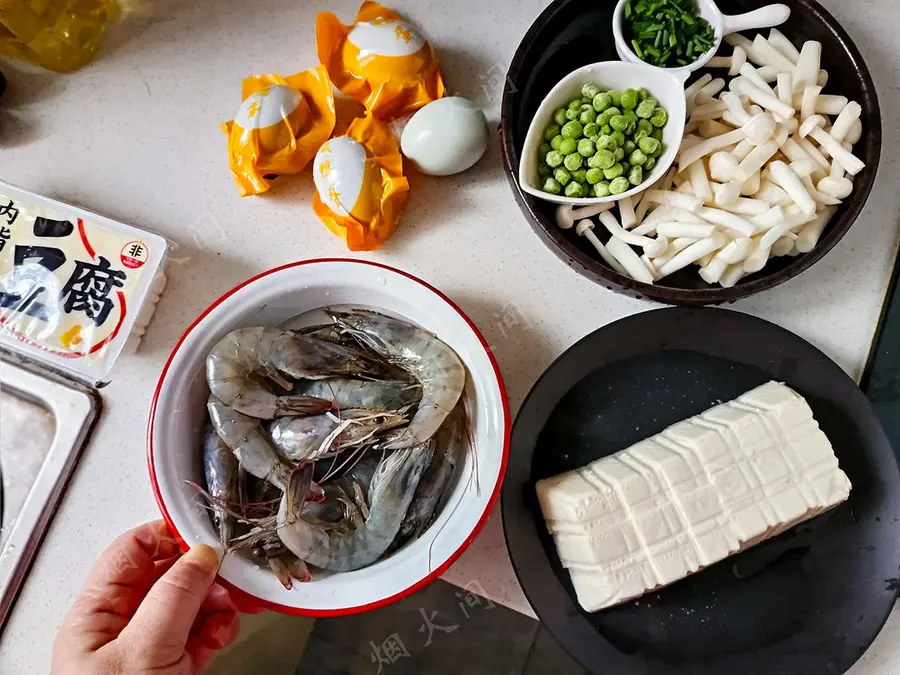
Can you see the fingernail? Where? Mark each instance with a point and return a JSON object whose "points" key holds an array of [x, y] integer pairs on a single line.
{"points": [[204, 557]]}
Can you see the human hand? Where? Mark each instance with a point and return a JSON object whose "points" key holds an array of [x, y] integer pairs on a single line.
{"points": [[147, 608]]}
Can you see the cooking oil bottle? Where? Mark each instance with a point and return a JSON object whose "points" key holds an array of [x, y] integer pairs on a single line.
{"points": [[60, 35]]}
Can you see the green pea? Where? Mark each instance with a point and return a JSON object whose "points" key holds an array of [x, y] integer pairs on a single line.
{"points": [[544, 149], [553, 159], [561, 175], [629, 146], [613, 111], [560, 116], [637, 158], [606, 143], [618, 123], [614, 171], [586, 148], [620, 154], [618, 186], [649, 164], [657, 134], [568, 146], [594, 176], [645, 109], [604, 118], [544, 170], [649, 145], [605, 129], [644, 125], [636, 175], [573, 114], [575, 104], [572, 129], [629, 99], [573, 161], [580, 176], [659, 118], [619, 137], [643, 93], [616, 96], [593, 139], [630, 116], [630, 127], [601, 101], [638, 135], [601, 189], [588, 116], [603, 159], [662, 149], [551, 186], [587, 106], [591, 129], [653, 101], [585, 99], [574, 190], [590, 90], [556, 141], [551, 131]]}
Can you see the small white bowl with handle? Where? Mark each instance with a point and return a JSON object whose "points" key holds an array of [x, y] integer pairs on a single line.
{"points": [[722, 24], [663, 86]]}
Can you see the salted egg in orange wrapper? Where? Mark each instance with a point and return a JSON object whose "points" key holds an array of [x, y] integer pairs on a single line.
{"points": [[360, 187], [381, 61], [281, 124]]}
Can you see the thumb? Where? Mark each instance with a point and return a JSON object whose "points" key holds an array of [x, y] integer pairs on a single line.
{"points": [[163, 621]]}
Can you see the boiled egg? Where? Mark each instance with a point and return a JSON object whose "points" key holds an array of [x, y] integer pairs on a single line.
{"points": [[446, 136]]}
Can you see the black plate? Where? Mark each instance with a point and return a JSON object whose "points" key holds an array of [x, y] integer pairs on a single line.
{"points": [[573, 33], [808, 602]]}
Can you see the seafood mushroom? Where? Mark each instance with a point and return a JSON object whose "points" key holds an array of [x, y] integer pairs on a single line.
{"points": [[566, 214]]}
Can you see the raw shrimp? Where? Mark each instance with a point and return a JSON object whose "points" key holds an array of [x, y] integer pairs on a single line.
{"points": [[370, 394], [431, 362], [336, 507], [340, 548], [235, 365], [247, 440], [451, 441], [321, 436], [222, 473]]}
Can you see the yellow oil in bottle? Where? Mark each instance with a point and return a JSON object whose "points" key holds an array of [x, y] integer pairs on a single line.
{"points": [[60, 35]]}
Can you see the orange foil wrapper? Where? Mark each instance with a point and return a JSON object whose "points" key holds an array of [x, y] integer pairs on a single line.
{"points": [[360, 187], [381, 61], [281, 124]]}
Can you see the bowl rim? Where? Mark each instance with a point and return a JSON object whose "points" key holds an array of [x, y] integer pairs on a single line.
{"points": [[590, 267], [247, 602]]}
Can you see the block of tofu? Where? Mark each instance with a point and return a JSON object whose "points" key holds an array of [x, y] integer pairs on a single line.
{"points": [[692, 495]]}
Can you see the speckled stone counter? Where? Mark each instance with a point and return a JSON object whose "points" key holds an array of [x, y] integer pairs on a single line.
{"points": [[136, 136]]}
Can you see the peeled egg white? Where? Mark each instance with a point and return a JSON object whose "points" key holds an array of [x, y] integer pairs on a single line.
{"points": [[445, 137]]}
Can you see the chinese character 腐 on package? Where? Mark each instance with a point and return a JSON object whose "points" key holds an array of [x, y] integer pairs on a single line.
{"points": [[280, 125], [360, 186], [74, 286], [381, 61]]}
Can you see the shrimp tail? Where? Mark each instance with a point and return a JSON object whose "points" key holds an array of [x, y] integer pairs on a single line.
{"points": [[281, 572], [298, 489]]}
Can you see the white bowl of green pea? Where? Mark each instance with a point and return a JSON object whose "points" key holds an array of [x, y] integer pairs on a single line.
{"points": [[605, 132]]}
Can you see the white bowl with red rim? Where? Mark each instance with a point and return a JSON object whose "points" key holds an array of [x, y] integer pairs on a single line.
{"points": [[178, 413]]}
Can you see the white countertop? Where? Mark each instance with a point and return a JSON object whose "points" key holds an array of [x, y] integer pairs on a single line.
{"points": [[147, 116]]}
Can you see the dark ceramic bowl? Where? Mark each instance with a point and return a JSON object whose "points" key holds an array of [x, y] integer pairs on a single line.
{"points": [[572, 33]]}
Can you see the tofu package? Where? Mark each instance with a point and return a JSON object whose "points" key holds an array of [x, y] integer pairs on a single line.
{"points": [[76, 289], [694, 494]]}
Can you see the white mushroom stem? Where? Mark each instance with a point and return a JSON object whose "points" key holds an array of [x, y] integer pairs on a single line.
{"points": [[708, 146], [740, 225], [691, 91], [732, 275], [771, 193], [845, 119], [626, 212], [806, 71], [814, 153], [758, 157], [735, 251], [585, 229], [724, 167], [650, 266], [630, 260], [783, 246], [674, 229], [759, 128], [769, 74], [692, 253], [827, 104], [682, 201], [808, 102], [710, 89], [855, 132], [699, 181], [566, 214], [768, 101], [782, 175], [803, 167], [785, 46], [738, 40], [727, 193], [610, 223], [752, 76], [808, 237], [707, 111], [785, 88], [748, 207], [839, 188], [710, 128], [742, 149], [674, 248], [760, 254], [792, 150], [733, 63], [769, 219], [751, 186], [813, 127], [735, 107], [772, 55]]}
